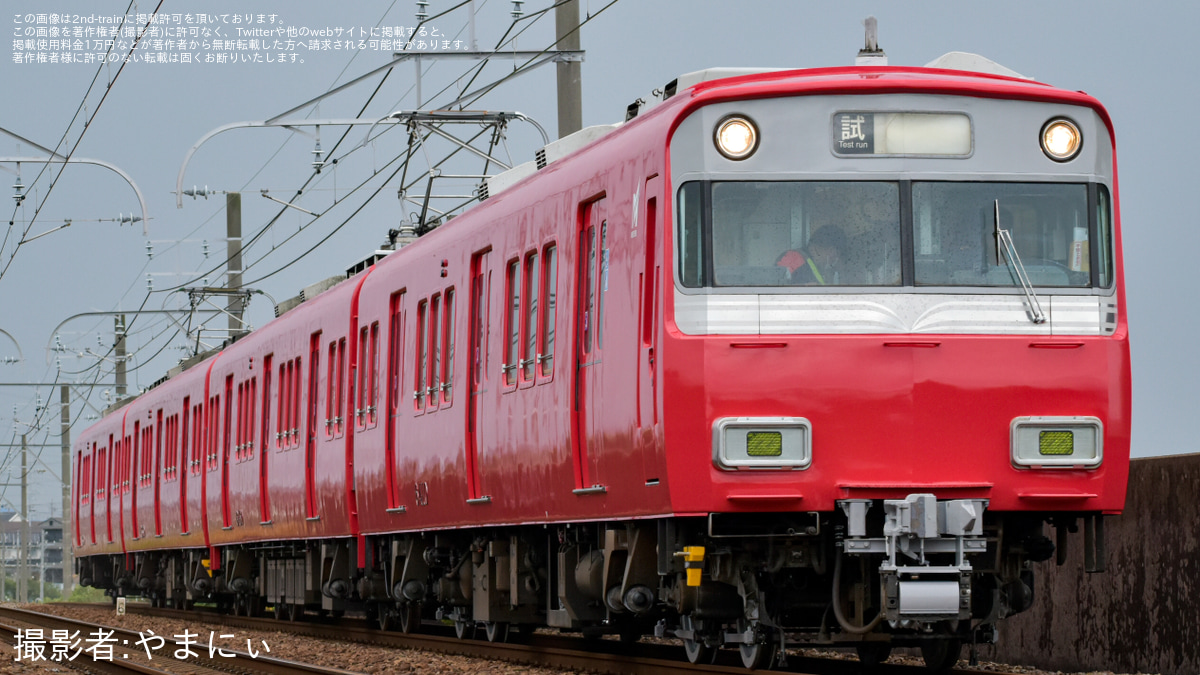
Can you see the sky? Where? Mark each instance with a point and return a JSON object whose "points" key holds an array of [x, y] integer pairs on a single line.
{"points": [[144, 116]]}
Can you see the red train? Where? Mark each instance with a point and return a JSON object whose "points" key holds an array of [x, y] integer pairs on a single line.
{"points": [[805, 356]]}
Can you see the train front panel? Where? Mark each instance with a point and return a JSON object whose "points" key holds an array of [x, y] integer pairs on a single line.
{"points": [[895, 312]]}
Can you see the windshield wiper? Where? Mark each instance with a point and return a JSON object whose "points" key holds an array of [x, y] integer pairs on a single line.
{"points": [[1004, 240]]}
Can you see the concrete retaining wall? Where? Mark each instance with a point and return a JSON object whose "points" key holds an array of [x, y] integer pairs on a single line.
{"points": [[1142, 614]]}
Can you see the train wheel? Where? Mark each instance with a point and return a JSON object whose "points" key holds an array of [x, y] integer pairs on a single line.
{"points": [[464, 630], [696, 649], [383, 615], [757, 654], [940, 655], [873, 653], [496, 631], [410, 617], [699, 653]]}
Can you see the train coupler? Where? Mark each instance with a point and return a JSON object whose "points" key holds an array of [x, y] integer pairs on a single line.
{"points": [[917, 531]]}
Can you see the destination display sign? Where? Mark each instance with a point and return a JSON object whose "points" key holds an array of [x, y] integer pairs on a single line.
{"points": [[884, 134]]}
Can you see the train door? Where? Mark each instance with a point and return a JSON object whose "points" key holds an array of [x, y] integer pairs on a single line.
{"points": [[395, 359], [264, 450], [310, 443], [650, 305], [158, 472], [226, 440], [133, 470], [481, 281], [588, 408], [182, 464]]}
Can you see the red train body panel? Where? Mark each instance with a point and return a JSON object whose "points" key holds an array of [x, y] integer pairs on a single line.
{"points": [[603, 370]]}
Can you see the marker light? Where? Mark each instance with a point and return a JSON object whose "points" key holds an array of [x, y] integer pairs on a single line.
{"points": [[736, 137], [1061, 139]]}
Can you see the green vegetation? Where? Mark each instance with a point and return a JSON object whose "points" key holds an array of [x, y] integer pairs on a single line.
{"points": [[87, 594]]}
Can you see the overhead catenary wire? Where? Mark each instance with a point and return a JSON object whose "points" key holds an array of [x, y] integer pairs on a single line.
{"points": [[314, 178], [86, 125]]}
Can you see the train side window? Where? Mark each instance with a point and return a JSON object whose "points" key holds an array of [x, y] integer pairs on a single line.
{"points": [[448, 346], [545, 350], [168, 461], [340, 406], [84, 465], [435, 361], [244, 419], [164, 459], [602, 277], [268, 363], [102, 469], [214, 436], [241, 413], [284, 390], [183, 435], [589, 288], [360, 369], [295, 426], [251, 416], [373, 377], [197, 437], [512, 320], [422, 355], [690, 243], [529, 319], [127, 462], [1104, 239], [330, 382], [395, 357]]}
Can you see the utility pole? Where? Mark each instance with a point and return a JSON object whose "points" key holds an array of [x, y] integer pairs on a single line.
{"points": [[233, 246], [119, 353], [68, 566], [23, 567], [570, 84], [3, 566]]}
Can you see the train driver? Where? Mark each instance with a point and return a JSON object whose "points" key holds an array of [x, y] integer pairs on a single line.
{"points": [[818, 262]]}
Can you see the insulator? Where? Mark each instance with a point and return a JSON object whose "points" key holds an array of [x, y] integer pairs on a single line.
{"points": [[204, 248], [517, 12], [422, 10], [149, 250], [317, 162], [149, 283]]}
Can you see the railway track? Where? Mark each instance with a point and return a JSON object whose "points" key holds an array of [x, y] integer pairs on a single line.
{"points": [[117, 651], [545, 650]]}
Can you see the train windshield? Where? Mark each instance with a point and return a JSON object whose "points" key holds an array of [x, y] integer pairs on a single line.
{"points": [[888, 234]]}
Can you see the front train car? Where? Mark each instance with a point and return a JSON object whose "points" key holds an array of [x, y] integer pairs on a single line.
{"points": [[895, 351]]}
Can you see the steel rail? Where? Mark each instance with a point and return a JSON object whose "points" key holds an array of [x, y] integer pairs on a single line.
{"points": [[133, 640], [545, 650]]}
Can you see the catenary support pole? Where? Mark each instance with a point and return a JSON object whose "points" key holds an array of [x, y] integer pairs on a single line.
{"points": [[119, 354], [68, 519], [570, 84], [23, 567], [233, 246]]}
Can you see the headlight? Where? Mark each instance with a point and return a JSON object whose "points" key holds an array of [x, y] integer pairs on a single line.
{"points": [[736, 137], [741, 443], [1061, 139], [1057, 442]]}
